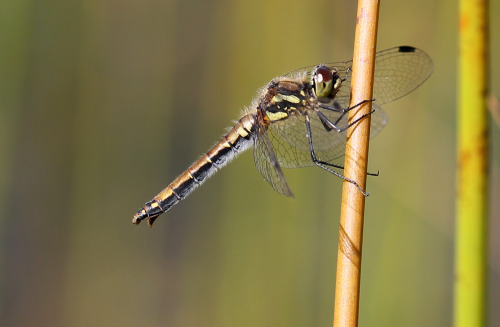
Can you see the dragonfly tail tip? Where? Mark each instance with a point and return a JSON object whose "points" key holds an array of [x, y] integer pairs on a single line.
{"points": [[139, 216]]}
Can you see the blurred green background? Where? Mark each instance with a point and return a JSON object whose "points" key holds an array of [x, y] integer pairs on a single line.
{"points": [[103, 103]]}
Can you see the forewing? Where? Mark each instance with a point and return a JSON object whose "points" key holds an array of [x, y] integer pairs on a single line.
{"points": [[398, 71]]}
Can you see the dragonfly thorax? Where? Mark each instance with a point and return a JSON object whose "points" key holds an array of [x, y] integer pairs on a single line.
{"points": [[283, 98]]}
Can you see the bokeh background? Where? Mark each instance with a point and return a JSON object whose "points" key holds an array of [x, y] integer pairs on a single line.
{"points": [[104, 102]]}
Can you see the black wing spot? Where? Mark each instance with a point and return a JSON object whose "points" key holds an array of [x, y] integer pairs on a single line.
{"points": [[406, 48]]}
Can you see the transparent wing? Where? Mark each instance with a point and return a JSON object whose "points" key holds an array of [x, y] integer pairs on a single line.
{"points": [[291, 144], [267, 163], [398, 71]]}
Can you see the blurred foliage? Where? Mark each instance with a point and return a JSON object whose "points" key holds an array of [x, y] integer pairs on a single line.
{"points": [[103, 103]]}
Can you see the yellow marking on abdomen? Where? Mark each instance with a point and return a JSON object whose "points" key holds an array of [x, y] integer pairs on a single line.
{"points": [[241, 131], [166, 193]]}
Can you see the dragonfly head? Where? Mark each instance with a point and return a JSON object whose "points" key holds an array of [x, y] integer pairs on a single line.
{"points": [[325, 82]]}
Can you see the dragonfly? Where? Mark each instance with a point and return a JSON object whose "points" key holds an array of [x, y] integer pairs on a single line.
{"points": [[300, 120]]}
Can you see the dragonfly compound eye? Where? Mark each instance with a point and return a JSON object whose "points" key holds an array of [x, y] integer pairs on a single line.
{"points": [[323, 81]]}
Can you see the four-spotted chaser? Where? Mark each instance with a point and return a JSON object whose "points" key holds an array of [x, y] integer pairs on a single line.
{"points": [[299, 120]]}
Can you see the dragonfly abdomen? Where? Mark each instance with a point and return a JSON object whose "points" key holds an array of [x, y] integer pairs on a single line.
{"points": [[237, 140]]}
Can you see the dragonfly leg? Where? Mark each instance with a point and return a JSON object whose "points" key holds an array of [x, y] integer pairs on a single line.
{"points": [[337, 108], [347, 72], [328, 123], [342, 167], [324, 164]]}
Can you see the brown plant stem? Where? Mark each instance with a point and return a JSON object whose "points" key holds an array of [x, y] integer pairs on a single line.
{"points": [[356, 157]]}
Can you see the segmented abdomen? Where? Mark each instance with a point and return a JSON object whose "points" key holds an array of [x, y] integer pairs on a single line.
{"points": [[237, 140]]}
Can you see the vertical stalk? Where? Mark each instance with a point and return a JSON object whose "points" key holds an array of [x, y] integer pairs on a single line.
{"points": [[356, 157], [472, 157]]}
